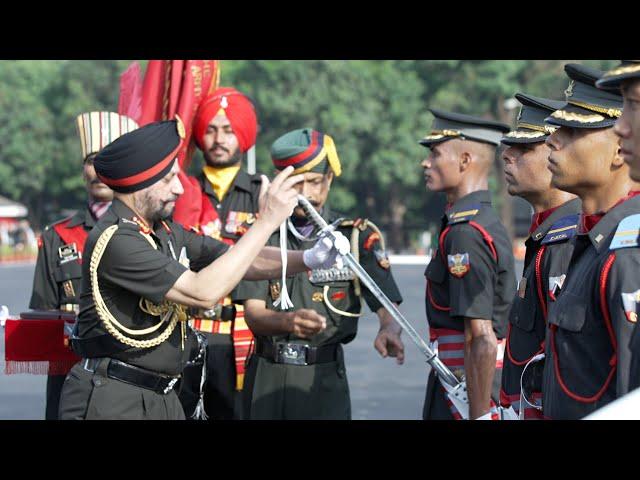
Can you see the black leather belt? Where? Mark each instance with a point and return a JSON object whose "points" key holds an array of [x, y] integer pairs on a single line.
{"points": [[222, 313], [296, 353], [133, 375]]}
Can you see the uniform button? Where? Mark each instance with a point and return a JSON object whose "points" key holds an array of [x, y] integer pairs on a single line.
{"points": [[98, 382], [218, 206]]}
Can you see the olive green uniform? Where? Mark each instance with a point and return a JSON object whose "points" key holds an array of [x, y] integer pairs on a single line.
{"points": [[56, 286], [137, 269], [294, 378]]}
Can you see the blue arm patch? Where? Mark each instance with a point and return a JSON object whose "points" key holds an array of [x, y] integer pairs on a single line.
{"points": [[627, 233], [562, 230]]}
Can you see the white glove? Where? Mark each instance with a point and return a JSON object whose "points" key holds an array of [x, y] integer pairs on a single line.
{"points": [[486, 416], [324, 253]]}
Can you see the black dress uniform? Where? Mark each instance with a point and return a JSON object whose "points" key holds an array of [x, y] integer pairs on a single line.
{"points": [[57, 282], [548, 251], [592, 321], [235, 214], [612, 80], [136, 270], [291, 378], [471, 273]]}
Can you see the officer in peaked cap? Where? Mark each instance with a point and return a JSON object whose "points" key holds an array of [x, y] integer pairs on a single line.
{"points": [[548, 251], [593, 317], [470, 279], [625, 78]]}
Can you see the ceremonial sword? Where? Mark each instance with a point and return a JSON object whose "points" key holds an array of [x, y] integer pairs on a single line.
{"points": [[456, 389]]}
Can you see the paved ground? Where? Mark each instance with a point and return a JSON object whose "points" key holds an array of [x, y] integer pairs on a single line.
{"points": [[380, 389]]}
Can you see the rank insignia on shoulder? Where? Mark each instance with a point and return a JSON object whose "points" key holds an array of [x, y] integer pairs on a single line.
{"points": [[68, 253], [383, 259], [463, 215], [562, 230], [627, 233], [459, 264], [555, 285], [630, 303], [274, 290]]}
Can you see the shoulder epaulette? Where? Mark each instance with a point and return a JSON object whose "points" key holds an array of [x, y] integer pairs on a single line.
{"points": [[463, 215], [627, 233], [562, 230], [359, 223]]}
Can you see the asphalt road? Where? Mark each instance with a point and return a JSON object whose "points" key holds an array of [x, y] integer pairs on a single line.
{"points": [[380, 389]]}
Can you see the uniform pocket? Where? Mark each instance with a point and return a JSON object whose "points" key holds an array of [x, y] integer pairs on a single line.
{"points": [[572, 314]]}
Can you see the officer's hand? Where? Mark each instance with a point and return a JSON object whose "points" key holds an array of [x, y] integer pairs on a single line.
{"points": [[388, 342], [325, 251], [278, 198], [305, 323]]}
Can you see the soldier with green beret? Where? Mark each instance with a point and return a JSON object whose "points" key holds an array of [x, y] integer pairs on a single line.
{"points": [[297, 370]]}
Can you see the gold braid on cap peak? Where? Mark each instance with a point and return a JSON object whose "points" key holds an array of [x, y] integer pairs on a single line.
{"points": [[539, 131], [611, 112], [577, 117], [438, 134], [622, 70], [521, 134]]}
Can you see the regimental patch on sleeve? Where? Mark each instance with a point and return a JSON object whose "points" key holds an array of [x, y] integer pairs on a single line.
{"points": [[463, 215], [371, 239], [555, 285], [626, 235], [382, 258], [630, 304], [562, 230], [459, 264]]}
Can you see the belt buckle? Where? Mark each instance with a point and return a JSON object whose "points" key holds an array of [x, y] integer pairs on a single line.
{"points": [[212, 313], [169, 387], [86, 366], [292, 353]]}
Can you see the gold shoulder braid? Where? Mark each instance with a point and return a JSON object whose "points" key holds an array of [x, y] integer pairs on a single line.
{"points": [[169, 310]]}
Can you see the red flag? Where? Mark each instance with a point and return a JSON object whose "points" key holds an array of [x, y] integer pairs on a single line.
{"points": [[176, 87], [130, 102]]}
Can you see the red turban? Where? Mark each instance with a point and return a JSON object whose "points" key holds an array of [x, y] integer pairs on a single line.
{"points": [[238, 109]]}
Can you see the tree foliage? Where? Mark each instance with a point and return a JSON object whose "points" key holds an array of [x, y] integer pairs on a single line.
{"points": [[376, 111]]}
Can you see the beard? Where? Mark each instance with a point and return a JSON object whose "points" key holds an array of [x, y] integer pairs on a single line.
{"points": [[217, 163], [155, 209]]}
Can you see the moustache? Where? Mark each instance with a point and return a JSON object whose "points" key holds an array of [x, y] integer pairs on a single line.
{"points": [[220, 147]]}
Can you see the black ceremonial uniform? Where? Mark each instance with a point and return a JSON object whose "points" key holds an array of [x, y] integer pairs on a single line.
{"points": [[226, 333], [592, 321], [291, 378], [57, 281], [470, 275], [138, 267], [548, 251]]}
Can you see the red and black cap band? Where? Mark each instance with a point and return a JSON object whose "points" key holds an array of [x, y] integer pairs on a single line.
{"points": [[140, 158]]}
